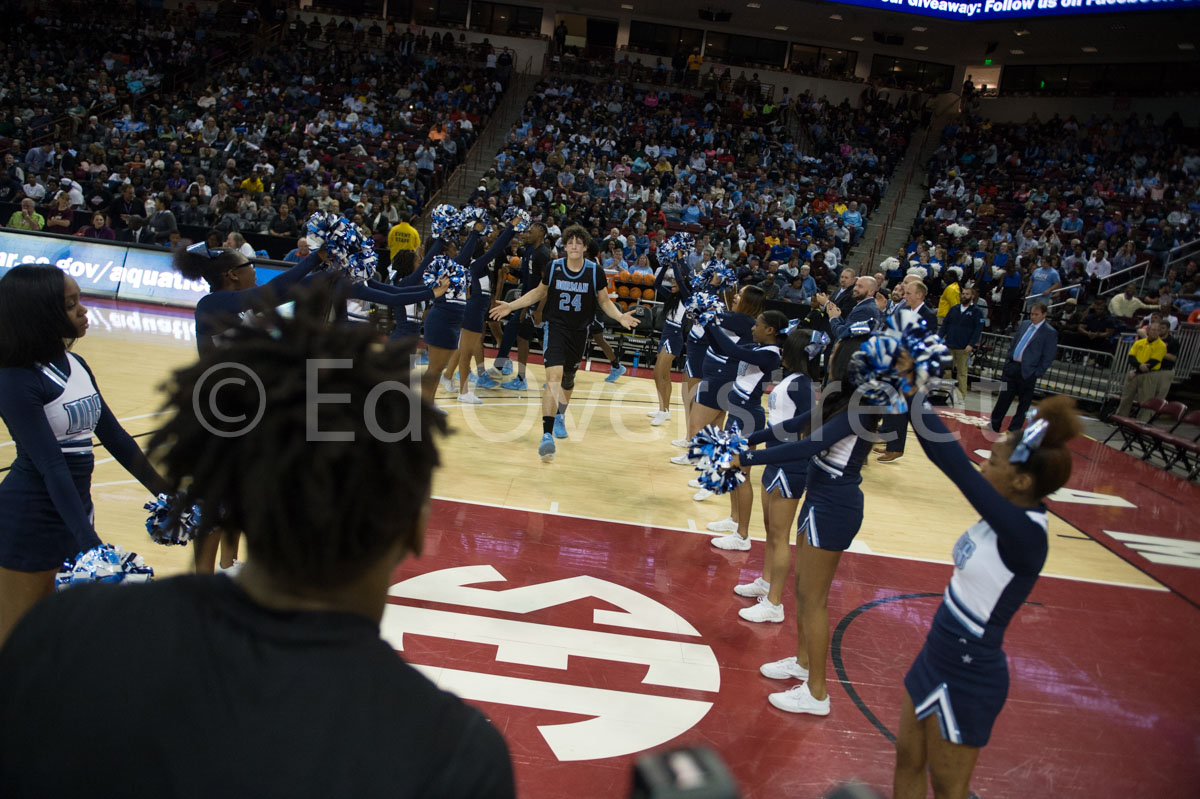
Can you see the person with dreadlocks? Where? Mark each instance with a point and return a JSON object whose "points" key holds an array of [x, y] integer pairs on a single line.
{"points": [[958, 683], [52, 406], [288, 651]]}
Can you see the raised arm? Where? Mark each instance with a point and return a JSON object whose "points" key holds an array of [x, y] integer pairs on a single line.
{"points": [[418, 274], [383, 294], [762, 358], [278, 287], [480, 265]]}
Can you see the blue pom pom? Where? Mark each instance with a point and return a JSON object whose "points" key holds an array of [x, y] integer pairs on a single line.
{"points": [[103, 564], [444, 217], [703, 280], [706, 307], [872, 368], [519, 218], [444, 267], [470, 215], [675, 247], [713, 451], [164, 528]]}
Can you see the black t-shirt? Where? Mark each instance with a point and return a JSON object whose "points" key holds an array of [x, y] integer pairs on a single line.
{"points": [[534, 265], [571, 299], [187, 688]]}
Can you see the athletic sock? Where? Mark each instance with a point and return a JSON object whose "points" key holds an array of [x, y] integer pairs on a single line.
{"points": [[547, 424], [562, 408], [615, 361], [501, 363], [481, 371], [521, 373]]}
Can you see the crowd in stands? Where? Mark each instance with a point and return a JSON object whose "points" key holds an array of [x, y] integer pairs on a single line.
{"points": [[1048, 210], [254, 146], [635, 164]]}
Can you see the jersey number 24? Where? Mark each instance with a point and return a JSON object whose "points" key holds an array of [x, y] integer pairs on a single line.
{"points": [[567, 301]]}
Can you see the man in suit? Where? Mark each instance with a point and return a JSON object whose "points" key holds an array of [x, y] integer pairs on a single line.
{"points": [[139, 232], [864, 308], [961, 330], [843, 298], [1029, 357], [893, 429]]}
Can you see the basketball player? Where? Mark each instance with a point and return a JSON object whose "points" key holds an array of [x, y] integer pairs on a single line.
{"points": [[521, 328], [958, 683], [573, 288], [51, 405]]}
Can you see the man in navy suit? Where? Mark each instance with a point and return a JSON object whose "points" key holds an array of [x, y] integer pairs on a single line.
{"points": [[894, 427], [961, 330], [864, 309], [1029, 356]]}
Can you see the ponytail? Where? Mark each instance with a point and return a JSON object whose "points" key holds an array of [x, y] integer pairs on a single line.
{"points": [[1050, 464], [201, 261]]}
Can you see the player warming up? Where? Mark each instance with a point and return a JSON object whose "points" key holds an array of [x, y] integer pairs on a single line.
{"points": [[574, 288]]}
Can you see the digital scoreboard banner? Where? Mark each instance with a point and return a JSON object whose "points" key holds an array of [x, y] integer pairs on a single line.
{"points": [[1012, 9]]}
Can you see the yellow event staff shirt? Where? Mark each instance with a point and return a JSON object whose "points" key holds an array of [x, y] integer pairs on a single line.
{"points": [[403, 237], [1144, 350]]}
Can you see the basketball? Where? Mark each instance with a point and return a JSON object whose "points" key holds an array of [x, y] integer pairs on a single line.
{"points": [[648, 294], [624, 306], [622, 291], [623, 275], [635, 294], [515, 262]]}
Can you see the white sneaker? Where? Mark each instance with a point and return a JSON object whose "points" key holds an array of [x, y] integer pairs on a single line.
{"points": [[651, 414], [733, 541], [660, 417], [446, 384], [786, 669], [799, 700], [681, 460], [469, 399], [495, 373], [762, 610], [682, 443], [759, 587], [694, 483], [232, 569], [726, 525], [702, 495]]}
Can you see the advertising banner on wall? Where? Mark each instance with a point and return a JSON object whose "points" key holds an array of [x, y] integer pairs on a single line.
{"points": [[1011, 9]]}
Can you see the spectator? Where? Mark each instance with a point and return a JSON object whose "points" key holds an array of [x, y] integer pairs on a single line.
{"points": [[138, 231], [32, 188], [1030, 356], [1126, 304], [1094, 329], [98, 229], [236, 241], [27, 218], [1145, 359], [61, 218], [283, 224], [961, 329], [300, 252], [163, 221], [863, 310]]}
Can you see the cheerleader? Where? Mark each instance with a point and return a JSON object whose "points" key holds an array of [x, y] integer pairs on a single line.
{"points": [[444, 321], [51, 405], [712, 394], [474, 313], [521, 328], [669, 279], [788, 407], [751, 367], [959, 681], [695, 353], [830, 518]]}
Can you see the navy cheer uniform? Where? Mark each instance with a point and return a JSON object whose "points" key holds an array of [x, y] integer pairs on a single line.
{"points": [[961, 673], [445, 317], [571, 304], [833, 505], [674, 309], [46, 510], [216, 310], [791, 399], [407, 325], [718, 372], [751, 366], [476, 308]]}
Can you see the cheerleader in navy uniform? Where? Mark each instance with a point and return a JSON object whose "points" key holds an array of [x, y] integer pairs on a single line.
{"points": [[830, 518], [474, 314], [573, 288], [751, 367], [52, 407], [521, 328], [668, 281], [696, 353], [444, 321], [958, 683], [713, 392], [788, 407]]}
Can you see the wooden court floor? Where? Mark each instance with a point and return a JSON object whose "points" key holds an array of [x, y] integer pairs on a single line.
{"points": [[614, 466]]}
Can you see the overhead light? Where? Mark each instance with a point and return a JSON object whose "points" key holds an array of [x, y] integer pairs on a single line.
{"points": [[920, 28], [1089, 49], [920, 47], [626, 6], [781, 27], [838, 17], [1017, 52], [857, 39], [1021, 32], [1186, 46], [753, 5]]}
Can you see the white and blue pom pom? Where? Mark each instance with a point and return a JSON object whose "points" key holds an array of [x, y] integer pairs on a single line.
{"points": [[103, 564], [703, 280], [164, 528], [443, 218], [713, 450], [675, 247], [361, 265], [444, 267], [470, 215], [706, 307], [519, 218]]}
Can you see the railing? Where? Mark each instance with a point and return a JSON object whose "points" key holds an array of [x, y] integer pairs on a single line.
{"points": [[1101, 289], [1088, 375], [886, 223]]}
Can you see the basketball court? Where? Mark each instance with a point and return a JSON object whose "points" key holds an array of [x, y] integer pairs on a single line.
{"points": [[578, 604]]}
